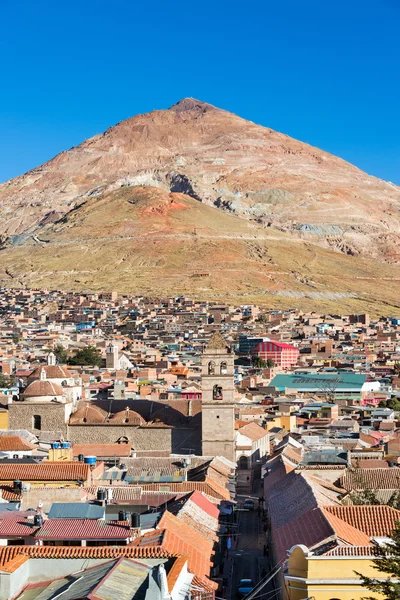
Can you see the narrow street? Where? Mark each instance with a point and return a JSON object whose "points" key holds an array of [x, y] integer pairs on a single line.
{"points": [[246, 558]]}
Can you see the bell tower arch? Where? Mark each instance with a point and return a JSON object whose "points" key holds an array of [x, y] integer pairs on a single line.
{"points": [[218, 404]]}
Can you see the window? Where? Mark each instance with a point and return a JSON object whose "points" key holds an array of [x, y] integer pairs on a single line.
{"points": [[223, 369], [211, 367], [217, 392], [37, 422], [243, 462]]}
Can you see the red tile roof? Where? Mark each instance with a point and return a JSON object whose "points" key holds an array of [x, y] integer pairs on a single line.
{"points": [[14, 443], [52, 372], [45, 471], [102, 450], [345, 532], [253, 431], [181, 538], [374, 520], [83, 529], [202, 502], [43, 387], [16, 524], [310, 528], [383, 479], [352, 551], [9, 554]]}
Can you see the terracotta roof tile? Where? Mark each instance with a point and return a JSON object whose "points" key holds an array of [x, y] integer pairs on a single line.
{"points": [[46, 471], [374, 520], [102, 450], [52, 372], [78, 529], [387, 479], [352, 551], [253, 431], [43, 388], [345, 532], [14, 443]]}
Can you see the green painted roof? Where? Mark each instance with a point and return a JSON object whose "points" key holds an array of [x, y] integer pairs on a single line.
{"points": [[341, 382]]}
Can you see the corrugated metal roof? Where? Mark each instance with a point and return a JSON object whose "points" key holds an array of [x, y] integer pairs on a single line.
{"points": [[76, 510]]}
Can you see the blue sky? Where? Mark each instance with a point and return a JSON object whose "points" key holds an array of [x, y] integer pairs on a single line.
{"points": [[326, 72]]}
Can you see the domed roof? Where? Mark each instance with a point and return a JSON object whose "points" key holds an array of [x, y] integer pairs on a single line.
{"points": [[89, 414], [52, 372], [128, 417], [43, 387]]}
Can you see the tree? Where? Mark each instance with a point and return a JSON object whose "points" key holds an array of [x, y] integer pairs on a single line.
{"points": [[387, 562], [328, 386], [392, 403], [366, 496], [61, 354], [6, 381], [15, 338], [89, 356], [258, 362], [362, 494], [394, 500], [270, 363]]}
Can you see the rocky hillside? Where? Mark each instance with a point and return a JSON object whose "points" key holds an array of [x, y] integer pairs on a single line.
{"points": [[219, 159], [147, 241], [98, 201]]}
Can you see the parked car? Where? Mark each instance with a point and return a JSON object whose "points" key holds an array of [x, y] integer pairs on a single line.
{"points": [[245, 587], [248, 504]]}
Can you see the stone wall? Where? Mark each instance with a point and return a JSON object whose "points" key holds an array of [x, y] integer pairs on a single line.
{"points": [[20, 416], [140, 438]]}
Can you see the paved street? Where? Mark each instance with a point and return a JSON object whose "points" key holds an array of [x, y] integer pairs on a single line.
{"points": [[246, 559]]}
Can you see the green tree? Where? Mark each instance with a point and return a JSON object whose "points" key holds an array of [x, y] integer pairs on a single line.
{"points": [[258, 362], [15, 338], [366, 496], [387, 562], [61, 354], [6, 381], [393, 403], [362, 493], [89, 356], [394, 500], [270, 363]]}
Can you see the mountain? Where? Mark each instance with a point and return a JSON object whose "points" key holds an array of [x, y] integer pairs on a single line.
{"points": [[197, 200]]}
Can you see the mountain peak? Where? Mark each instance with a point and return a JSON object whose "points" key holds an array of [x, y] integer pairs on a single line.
{"points": [[191, 104]]}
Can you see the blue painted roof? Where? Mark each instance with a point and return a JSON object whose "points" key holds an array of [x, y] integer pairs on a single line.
{"points": [[76, 510]]}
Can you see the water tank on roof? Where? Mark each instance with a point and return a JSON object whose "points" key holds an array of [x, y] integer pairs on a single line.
{"points": [[135, 521], [17, 484], [38, 520], [65, 445], [121, 515], [101, 495], [90, 460], [80, 457], [55, 445]]}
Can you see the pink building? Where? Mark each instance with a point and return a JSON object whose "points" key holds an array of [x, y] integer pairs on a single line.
{"points": [[283, 355]]}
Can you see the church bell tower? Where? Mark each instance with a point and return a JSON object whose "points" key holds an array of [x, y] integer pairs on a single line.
{"points": [[218, 406]]}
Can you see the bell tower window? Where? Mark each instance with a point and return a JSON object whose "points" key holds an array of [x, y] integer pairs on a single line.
{"points": [[223, 369], [211, 367], [217, 392]]}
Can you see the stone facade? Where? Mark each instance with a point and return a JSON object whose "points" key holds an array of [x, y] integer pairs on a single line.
{"points": [[52, 417], [218, 408], [152, 439]]}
